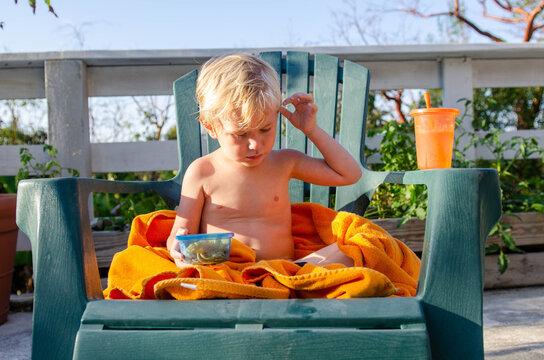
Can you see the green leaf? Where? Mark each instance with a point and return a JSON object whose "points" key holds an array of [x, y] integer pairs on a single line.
{"points": [[23, 257], [8, 184], [421, 213], [491, 249], [494, 230], [403, 220], [48, 165], [510, 243], [503, 261], [32, 4]]}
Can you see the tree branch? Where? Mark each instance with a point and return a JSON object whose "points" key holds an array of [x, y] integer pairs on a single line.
{"points": [[397, 99], [417, 13], [498, 18], [530, 28], [468, 22], [457, 14], [508, 7], [538, 27]]}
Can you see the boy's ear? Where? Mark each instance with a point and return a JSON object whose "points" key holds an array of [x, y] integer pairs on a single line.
{"points": [[210, 130]]}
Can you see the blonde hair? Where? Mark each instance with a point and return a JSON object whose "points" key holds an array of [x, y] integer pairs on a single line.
{"points": [[238, 88]]}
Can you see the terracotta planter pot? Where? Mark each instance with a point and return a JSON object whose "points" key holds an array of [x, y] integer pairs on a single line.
{"points": [[8, 245]]}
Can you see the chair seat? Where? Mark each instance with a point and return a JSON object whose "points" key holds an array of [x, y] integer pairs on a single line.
{"points": [[352, 328], [377, 313]]}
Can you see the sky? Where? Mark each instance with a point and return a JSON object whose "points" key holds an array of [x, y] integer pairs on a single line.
{"points": [[197, 24], [164, 24]]}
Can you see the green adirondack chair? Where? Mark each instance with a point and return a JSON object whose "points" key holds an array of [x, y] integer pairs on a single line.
{"points": [[443, 321]]}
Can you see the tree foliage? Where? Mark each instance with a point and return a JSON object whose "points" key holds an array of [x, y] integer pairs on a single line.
{"points": [[458, 22], [11, 113], [32, 4], [154, 114], [524, 16], [499, 108]]}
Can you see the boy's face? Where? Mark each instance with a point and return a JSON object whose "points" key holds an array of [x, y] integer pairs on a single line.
{"points": [[248, 147]]}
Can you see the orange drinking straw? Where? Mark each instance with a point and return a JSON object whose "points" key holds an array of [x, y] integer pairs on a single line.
{"points": [[427, 99]]}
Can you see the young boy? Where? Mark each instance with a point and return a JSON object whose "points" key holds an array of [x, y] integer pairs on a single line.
{"points": [[243, 187]]}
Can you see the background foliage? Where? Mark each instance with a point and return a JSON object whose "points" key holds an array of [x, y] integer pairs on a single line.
{"points": [[520, 173]]}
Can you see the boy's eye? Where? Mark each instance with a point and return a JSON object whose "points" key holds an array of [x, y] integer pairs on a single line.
{"points": [[239, 136], [265, 130]]}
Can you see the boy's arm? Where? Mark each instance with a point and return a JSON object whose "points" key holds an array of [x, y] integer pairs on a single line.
{"points": [[190, 205], [337, 167]]}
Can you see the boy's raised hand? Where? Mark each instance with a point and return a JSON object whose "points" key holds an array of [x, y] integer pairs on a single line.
{"points": [[303, 118]]}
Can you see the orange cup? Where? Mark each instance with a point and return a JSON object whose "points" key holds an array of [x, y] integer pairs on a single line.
{"points": [[434, 129]]}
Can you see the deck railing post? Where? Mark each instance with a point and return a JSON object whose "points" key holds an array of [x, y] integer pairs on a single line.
{"points": [[68, 113], [456, 79]]}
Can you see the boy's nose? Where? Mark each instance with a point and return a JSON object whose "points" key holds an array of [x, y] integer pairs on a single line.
{"points": [[253, 144]]}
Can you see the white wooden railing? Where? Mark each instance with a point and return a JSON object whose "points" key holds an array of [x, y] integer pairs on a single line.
{"points": [[67, 79]]}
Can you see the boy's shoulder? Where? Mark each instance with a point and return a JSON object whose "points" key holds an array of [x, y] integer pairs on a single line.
{"points": [[201, 166], [285, 159], [287, 154]]}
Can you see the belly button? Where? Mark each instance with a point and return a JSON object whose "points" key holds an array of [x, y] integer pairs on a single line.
{"points": [[276, 198]]}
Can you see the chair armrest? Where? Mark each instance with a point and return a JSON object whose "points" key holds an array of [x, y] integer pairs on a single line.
{"points": [[54, 214], [462, 204], [462, 207]]}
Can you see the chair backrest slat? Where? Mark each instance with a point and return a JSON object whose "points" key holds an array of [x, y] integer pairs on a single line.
{"points": [[355, 87], [297, 80], [274, 58], [188, 127], [325, 95], [212, 144]]}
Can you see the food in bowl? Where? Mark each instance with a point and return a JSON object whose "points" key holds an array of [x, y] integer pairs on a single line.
{"points": [[205, 248]]}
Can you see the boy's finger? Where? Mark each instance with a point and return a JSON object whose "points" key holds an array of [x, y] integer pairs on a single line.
{"points": [[285, 112], [298, 98], [176, 255], [301, 95], [290, 100], [182, 231], [180, 263], [306, 98]]}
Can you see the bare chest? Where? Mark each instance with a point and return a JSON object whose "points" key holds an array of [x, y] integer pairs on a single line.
{"points": [[247, 195]]}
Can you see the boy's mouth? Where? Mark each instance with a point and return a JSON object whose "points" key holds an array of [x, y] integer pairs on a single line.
{"points": [[254, 157]]}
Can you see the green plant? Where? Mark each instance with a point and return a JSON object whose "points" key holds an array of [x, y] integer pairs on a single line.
{"points": [[8, 185], [30, 168], [520, 176], [519, 162], [497, 108], [12, 112], [397, 152], [116, 211]]}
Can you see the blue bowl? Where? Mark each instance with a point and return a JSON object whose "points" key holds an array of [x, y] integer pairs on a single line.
{"points": [[205, 248]]}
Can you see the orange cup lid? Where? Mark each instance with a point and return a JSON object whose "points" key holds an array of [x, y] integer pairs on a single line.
{"points": [[434, 111]]}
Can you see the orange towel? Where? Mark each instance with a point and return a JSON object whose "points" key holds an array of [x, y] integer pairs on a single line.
{"points": [[384, 266]]}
